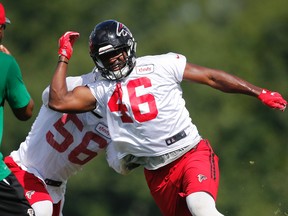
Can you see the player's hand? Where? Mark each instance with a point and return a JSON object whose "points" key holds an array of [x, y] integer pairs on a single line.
{"points": [[4, 49], [66, 42], [272, 99]]}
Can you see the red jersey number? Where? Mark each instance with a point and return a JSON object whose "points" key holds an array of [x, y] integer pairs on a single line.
{"points": [[115, 103], [81, 149]]}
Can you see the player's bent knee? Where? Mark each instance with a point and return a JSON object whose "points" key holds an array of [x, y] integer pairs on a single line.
{"points": [[43, 208], [202, 204]]}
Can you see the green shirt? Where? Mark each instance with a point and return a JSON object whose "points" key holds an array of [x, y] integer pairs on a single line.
{"points": [[12, 90]]}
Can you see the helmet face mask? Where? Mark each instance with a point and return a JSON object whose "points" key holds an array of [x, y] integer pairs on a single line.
{"points": [[110, 39]]}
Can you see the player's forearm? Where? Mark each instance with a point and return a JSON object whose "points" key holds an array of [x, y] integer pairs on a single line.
{"points": [[232, 84], [59, 95], [219, 80], [58, 87]]}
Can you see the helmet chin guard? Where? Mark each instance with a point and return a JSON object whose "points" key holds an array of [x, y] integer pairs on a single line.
{"points": [[112, 36]]}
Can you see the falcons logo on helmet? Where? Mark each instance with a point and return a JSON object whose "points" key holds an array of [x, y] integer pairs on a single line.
{"points": [[122, 30]]}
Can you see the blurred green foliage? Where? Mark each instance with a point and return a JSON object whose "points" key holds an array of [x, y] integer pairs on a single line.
{"points": [[248, 38]]}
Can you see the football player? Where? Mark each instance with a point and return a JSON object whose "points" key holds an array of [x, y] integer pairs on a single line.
{"points": [[57, 147], [146, 115]]}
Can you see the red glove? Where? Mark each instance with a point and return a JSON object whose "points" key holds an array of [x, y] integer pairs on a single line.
{"points": [[66, 44], [272, 99]]}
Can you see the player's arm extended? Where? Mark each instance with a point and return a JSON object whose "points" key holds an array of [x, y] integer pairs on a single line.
{"points": [[232, 84], [79, 99]]}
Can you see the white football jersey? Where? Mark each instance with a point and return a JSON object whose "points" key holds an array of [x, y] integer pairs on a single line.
{"points": [[146, 112], [58, 144]]}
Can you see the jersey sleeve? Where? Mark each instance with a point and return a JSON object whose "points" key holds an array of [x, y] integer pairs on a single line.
{"points": [[98, 91], [17, 94], [45, 96], [177, 63]]}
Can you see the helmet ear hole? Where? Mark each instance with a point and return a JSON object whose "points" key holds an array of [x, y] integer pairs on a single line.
{"points": [[110, 36]]}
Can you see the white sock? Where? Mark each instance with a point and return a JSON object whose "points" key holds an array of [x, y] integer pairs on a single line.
{"points": [[43, 208], [202, 204]]}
